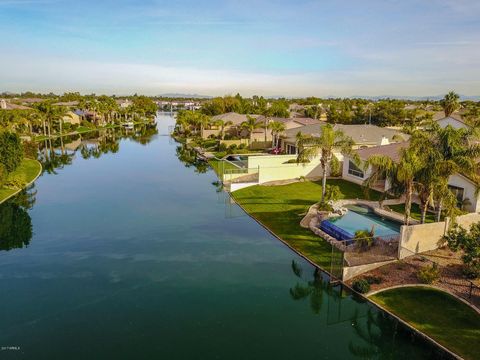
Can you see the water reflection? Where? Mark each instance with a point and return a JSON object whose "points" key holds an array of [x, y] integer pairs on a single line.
{"points": [[15, 222], [312, 289], [54, 154], [377, 334], [188, 157]]}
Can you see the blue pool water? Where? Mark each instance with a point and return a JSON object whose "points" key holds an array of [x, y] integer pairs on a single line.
{"points": [[360, 218]]}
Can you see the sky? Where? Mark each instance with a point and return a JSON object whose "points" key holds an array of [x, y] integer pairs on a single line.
{"points": [[264, 47]]}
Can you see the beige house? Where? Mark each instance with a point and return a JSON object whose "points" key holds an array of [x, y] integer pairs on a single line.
{"points": [[363, 136], [235, 126], [72, 118]]}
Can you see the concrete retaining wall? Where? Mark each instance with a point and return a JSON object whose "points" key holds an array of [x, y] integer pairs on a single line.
{"points": [[277, 168], [425, 237], [349, 272]]}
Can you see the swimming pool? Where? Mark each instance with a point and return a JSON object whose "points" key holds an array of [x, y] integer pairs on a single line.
{"points": [[362, 218]]}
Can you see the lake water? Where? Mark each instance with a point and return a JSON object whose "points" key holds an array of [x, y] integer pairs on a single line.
{"points": [[134, 254]]}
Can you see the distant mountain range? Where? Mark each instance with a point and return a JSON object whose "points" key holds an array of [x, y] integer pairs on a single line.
{"points": [[414, 98], [186, 96]]}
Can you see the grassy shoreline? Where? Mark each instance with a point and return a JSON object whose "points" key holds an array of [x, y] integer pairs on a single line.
{"points": [[29, 170], [437, 314]]}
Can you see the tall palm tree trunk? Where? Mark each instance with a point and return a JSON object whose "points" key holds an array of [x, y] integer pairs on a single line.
{"points": [[324, 180], [424, 212], [408, 202], [439, 211]]}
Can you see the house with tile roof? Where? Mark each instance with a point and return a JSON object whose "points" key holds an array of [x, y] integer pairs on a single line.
{"points": [[464, 188]]}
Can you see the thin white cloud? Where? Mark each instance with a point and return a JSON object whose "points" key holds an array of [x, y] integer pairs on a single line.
{"points": [[89, 76]]}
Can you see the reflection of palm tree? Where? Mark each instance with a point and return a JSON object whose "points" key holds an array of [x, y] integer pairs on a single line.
{"points": [[313, 289], [378, 335], [15, 226]]}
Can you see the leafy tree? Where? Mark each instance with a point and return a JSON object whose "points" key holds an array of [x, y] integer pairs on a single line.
{"points": [[11, 151], [469, 242], [324, 145], [279, 109]]}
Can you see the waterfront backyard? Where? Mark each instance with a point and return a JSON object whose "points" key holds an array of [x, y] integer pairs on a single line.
{"points": [[281, 208], [160, 265]]}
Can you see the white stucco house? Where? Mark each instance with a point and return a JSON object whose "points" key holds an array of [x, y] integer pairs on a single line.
{"points": [[464, 188]]}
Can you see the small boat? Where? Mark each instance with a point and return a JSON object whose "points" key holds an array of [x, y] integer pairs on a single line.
{"points": [[128, 125]]}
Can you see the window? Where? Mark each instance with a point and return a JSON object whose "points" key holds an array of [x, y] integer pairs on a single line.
{"points": [[291, 149], [458, 192], [354, 170]]}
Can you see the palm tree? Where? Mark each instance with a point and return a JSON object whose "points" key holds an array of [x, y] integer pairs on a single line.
{"points": [[276, 128], [328, 141], [222, 123], [459, 155], [250, 125], [450, 103], [402, 172]]}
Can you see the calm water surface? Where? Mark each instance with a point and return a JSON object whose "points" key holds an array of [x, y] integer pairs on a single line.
{"points": [[135, 255]]}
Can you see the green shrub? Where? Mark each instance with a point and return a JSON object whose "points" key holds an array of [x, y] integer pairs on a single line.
{"points": [[87, 124], [242, 146], [472, 270], [30, 149], [332, 192], [335, 168], [364, 238], [323, 206], [222, 147], [361, 285], [428, 274], [3, 175], [373, 279], [11, 151], [469, 241]]}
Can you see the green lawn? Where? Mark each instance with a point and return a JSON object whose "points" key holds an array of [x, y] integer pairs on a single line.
{"points": [[27, 171], [437, 314], [280, 208], [414, 212]]}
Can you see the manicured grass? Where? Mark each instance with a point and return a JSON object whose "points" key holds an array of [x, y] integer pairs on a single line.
{"points": [[437, 314], [415, 212], [27, 171], [281, 208]]}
